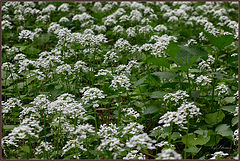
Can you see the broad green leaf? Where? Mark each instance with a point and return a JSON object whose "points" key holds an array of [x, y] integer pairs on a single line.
{"points": [[172, 50], [230, 108], [157, 94], [158, 61], [234, 121], [189, 139], [193, 149], [165, 75], [156, 132], [221, 41], [228, 100], [9, 127], [176, 135], [26, 148], [224, 130], [201, 140], [140, 81], [201, 132], [190, 54], [214, 138], [151, 109], [214, 118]]}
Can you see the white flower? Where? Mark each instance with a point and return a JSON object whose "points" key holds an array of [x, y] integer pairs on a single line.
{"points": [[103, 72], [63, 19], [92, 94], [64, 7], [64, 69], [218, 155], [169, 154], [120, 80], [10, 104], [203, 80], [176, 97], [26, 34], [236, 136], [222, 89], [134, 155], [43, 146], [160, 28], [82, 17]]}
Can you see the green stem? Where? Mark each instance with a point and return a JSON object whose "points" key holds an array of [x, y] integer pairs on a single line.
{"points": [[119, 110], [95, 114], [170, 133], [185, 148]]}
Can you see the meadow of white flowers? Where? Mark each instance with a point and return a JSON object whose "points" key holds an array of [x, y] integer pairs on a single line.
{"points": [[120, 80]]}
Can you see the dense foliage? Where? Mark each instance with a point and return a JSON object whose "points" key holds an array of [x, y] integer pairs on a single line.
{"points": [[120, 80]]}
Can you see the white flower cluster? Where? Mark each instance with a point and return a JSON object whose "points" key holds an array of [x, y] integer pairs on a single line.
{"points": [[74, 144], [44, 146], [203, 80], [176, 97], [160, 45], [132, 128], [206, 65], [134, 155], [219, 155], [26, 34], [131, 112], [222, 89], [9, 105], [139, 140], [120, 80], [110, 56], [66, 105], [168, 154], [103, 72], [64, 69], [235, 134], [127, 68], [81, 66], [110, 141], [164, 143], [82, 17], [92, 94], [179, 117], [64, 7]]}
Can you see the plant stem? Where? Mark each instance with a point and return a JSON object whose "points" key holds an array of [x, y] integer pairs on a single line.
{"points": [[119, 110], [185, 148]]}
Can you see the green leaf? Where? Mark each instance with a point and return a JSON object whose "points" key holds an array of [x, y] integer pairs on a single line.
{"points": [[221, 41], [140, 81], [26, 148], [193, 149], [228, 100], [158, 61], [230, 109], [234, 121], [189, 139], [9, 127], [176, 135], [190, 54], [172, 50], [214, 138], [32, 51], [151, 109], [201, 132], [224, 130], [201, 140], [214, 118], [157, 94], [165, 75], [156, 132]]}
